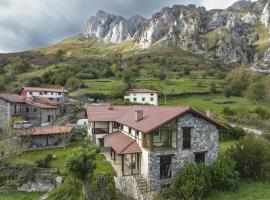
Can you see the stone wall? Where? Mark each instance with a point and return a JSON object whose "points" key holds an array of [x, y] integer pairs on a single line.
{"points": [[4, 113], [204, 138]]}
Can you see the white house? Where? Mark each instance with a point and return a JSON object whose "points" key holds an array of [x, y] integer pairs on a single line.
{"points": [[143, 96], [153, 142], [59, 95]]}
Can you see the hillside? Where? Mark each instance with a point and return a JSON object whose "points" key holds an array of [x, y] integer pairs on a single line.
{"points": [[92, 59]]}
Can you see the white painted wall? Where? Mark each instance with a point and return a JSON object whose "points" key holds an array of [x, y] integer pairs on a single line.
{"points": [[43, 94], [138, 98]]}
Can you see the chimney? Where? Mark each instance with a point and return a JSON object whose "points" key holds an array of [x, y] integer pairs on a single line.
{"points": [[110, 106], [210, 114], [138, 115]]}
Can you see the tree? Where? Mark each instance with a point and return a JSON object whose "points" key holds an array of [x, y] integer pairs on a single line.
{"points": [[252, 157], [73, 83], [114, 67], [81, 164], [238, 80], [117, 91], [212, 87], [256, 91], [162, 75]]}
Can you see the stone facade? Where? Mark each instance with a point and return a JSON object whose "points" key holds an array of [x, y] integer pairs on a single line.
{"points": [[204, 138], [10, 112]]}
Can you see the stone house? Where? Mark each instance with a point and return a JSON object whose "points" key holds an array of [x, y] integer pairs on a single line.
{"points": [[142, 96], [16, 108], [151, 141], [46, 137], [10, 109]]}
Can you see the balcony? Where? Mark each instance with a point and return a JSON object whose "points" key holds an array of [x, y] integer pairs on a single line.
{"points": [[100, 130]]}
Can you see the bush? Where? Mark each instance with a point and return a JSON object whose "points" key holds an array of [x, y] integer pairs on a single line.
{"points": [[45, 162], [252, 157], [223, 174], [231, 133], [192, 182]]}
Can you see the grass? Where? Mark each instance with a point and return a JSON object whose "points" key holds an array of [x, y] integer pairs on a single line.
{"points": [[60, 155], [224, 146], [214, 102], [171, 87], [19, 195], [246, 191]]}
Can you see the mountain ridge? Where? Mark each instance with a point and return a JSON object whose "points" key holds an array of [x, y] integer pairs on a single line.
{"points": [[192, 28]]}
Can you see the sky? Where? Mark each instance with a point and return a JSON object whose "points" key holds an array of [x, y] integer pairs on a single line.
{"points": [[28, 24]]}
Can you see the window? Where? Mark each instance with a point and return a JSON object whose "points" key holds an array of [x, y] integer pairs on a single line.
{"points": [[186, 138], [200, 157], [40, 93], [165, 167], [59, 93], [27, 109], [45, 92], [152, 94], [115, 125], [137, 135], [151, 99], [51, 93], [122, 126], [35, 109], [30, 93], [129, 130], [143, 99], [134, 99]]}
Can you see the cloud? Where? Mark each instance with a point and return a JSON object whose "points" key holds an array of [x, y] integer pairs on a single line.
{"points": [[213, 4], [27, 24]]}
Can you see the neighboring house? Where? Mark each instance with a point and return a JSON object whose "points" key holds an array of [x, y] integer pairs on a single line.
{"points": [[11, 106], [143, 96], [153, 141], [16, 108], [59, 95], [46, 137]]}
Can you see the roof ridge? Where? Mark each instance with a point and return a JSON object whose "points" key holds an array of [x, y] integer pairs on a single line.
{"points": [[128, 144]]}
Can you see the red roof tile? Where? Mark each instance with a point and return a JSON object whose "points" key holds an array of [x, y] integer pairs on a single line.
{"points": [[40, 105], [14, 98], [47, 131], [45, 101], [153, 116], [141, 90], [121, 143]]}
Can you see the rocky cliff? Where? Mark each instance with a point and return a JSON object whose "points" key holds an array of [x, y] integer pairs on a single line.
{"points": [[230, 35]]}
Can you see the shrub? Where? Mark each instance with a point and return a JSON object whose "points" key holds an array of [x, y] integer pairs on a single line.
{"points": [[45, 162], [256, 91], [252, 157], [192, 182], [223, 173], [231, 133]]}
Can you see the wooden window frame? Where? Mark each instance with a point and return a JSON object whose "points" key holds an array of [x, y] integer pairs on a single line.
{"points": [[186, 138]]}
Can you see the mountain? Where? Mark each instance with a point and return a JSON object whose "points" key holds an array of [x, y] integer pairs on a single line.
{"points": [[234, 35]]}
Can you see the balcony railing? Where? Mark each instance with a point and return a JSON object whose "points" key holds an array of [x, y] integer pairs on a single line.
{"points": [[100, 130]]}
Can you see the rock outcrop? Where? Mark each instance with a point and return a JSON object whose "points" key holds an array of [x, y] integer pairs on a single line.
{"points": [[187, 27]]}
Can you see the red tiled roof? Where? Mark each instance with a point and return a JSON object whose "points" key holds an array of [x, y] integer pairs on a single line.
{"points": [[121, 143], [153, 116], [14, 98], [101, 113], [141, 90], [47, 131], [40, 105], [39, 89], [45, 101]]}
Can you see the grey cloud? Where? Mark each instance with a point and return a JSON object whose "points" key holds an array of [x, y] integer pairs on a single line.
{"points": [[55, 20]]}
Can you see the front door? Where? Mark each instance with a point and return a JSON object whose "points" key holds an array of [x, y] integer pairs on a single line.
{"points": [[101, 142], [49, 118]]}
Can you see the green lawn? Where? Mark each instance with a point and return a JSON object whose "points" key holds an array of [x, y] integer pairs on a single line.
{"points": [[171, 86], [214, 102], [60, 155], [246, 191], [19, 195]]}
